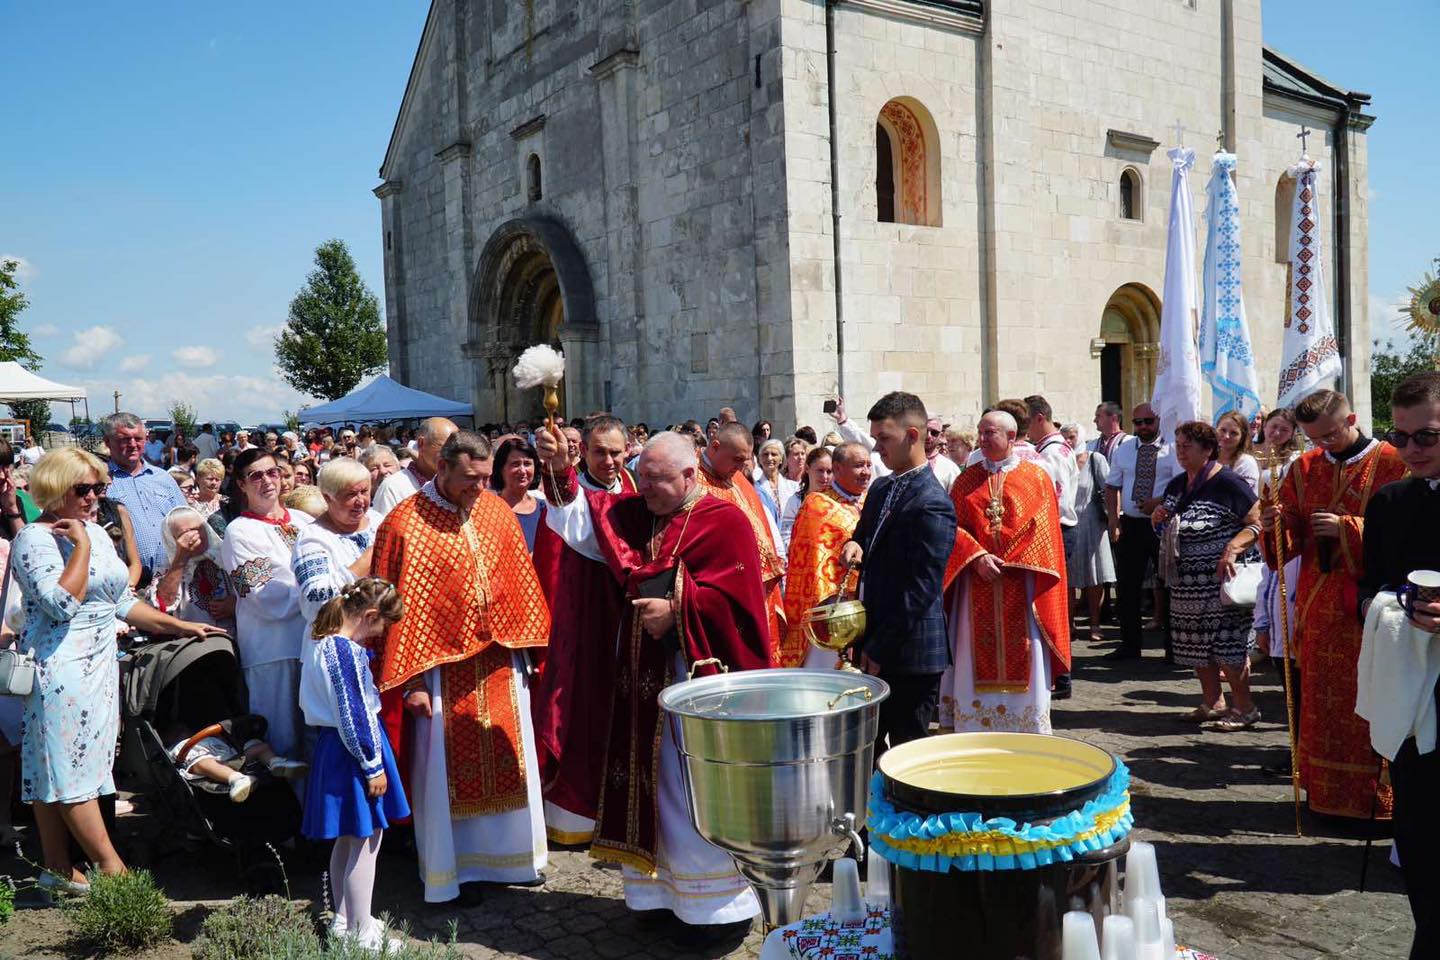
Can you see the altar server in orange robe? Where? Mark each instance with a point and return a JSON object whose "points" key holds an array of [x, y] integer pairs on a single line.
{"points": [[472, 603], [826, 520], [1322, 510], [722, 475], [1006, 596]]}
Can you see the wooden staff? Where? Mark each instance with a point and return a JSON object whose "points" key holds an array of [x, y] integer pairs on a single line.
{"points": [[1272, 494]]}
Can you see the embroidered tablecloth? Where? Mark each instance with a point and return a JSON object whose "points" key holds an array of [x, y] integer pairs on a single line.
{"points": [[824, 938]]}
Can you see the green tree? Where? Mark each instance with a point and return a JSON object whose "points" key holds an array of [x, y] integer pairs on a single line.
{"points": [[15, 344], [1391, 362], [335, 334], [182, 414]]}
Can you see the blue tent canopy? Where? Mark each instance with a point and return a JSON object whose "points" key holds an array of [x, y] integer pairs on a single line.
{"points": [[384, 399]]}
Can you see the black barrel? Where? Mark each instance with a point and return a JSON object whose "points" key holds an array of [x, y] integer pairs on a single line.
{"points": [[1003, 914]]}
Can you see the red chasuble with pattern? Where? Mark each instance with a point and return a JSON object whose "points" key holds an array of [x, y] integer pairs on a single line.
{"points": [[822, 526], [1338, 768], [721, 614], [741, 492], [570, 701], [1012, 514], [471, 596]]}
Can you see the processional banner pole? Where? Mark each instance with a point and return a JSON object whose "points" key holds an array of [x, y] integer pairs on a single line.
{"points": [[1272, 495]]}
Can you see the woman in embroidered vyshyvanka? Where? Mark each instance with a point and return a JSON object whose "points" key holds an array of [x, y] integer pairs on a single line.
{"points": [[335, 550], [1217, 522], [194, 585], [258, 550], [74, 589]]}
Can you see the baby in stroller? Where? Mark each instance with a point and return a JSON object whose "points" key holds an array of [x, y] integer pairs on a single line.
{"points": [[230, 754]]}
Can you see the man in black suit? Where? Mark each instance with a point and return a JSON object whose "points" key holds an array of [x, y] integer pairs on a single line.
{"points": [[902, 543]]}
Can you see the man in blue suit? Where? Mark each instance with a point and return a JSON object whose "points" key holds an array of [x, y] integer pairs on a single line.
{"points": [[902, 543]]}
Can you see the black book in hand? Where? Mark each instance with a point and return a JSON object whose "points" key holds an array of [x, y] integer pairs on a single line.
{"points": [[661, 587]]}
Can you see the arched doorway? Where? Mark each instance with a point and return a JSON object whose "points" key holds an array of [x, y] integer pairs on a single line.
{"points": [[1130, 329], [531, 286]]}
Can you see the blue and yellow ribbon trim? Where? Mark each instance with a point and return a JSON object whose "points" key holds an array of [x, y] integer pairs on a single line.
{"points": [[942, 842]]}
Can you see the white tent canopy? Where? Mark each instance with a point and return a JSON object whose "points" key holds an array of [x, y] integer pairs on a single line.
{"points": [[17, 383]]}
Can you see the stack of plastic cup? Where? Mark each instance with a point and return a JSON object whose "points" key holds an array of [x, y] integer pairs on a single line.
{"points": [[877, 880], [1118, 935], [1078, 937], [845, 903]]}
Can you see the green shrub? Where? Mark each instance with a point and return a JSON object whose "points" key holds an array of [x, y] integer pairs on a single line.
{"points": [[249, 928], [273, 928], [7, 899], [121, 914]]}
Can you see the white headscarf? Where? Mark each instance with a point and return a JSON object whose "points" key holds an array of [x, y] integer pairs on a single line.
{"points": [[212, 539]]}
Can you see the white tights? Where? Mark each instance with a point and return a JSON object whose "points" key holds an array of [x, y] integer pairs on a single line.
{"points": [[352, 878]]}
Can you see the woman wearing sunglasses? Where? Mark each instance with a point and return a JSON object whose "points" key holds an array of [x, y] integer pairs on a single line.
{"points": [[74, 588], [257, 552]]}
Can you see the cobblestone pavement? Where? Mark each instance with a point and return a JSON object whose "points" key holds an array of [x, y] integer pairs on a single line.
{"points": [[1239, 883]]}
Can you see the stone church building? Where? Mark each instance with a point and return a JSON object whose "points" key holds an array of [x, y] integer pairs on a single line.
{"points": [[762, 202]]}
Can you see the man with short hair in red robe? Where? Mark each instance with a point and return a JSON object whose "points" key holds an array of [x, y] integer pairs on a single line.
{"points": [[1006, 597], [695, 597], [571, 697]]}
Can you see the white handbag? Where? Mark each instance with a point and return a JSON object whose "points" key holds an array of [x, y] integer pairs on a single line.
{"points": [[17, 667], [1243, 589]]}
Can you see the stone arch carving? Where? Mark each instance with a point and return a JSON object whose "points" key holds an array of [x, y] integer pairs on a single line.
{"points": [[531, 285], [913, 140], [1130, 329]]}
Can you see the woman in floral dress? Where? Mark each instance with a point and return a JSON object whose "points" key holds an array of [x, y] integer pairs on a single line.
{"points": [[74, 589]]}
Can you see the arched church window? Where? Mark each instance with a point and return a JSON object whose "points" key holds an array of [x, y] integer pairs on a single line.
{"points": [[1284, 210], [532, 176], [884, 176], [907, 164], [1131, 197]]}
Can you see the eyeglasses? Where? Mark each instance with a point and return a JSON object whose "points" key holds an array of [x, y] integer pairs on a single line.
{"points": [[83, 489], [1423, 438], [272, 474], [1142, 420], [934, 433]]}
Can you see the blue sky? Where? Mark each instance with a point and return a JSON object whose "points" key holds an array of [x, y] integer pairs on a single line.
{"points": [[167, 169]]}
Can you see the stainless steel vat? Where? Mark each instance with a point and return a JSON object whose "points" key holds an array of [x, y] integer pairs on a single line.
{"points": [[776, 767]]}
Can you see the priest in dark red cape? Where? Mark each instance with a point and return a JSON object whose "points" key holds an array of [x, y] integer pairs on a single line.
{"points": [[694, 596], [1006, 600], [571, 699]]}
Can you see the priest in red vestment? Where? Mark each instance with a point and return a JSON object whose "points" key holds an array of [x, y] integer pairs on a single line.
{"points": [[826, 520], [571, 698], [463, 736], [1006, 596], [1322, 514], [723, 476], [694, 595]]}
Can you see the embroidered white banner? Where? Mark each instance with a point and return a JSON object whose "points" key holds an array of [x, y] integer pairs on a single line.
{"points": [[1177, 375], [1226, 359], [1309, 357]]}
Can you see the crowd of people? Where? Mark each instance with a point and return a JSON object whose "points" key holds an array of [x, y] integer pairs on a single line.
{"points": [[470, 627]]}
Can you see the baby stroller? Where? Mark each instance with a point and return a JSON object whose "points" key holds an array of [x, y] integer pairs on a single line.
{"points": [[195, 686]]}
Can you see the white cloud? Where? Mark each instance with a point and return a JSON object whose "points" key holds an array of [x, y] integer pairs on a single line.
{"points": [[45, 331], [135, 364], [89, 346], [262, 338], [218, 396], [197, 358], [25, 269]]}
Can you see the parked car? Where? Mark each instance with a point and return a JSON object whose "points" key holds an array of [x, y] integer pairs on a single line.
{"points": [[56, 428], [160, 428]]}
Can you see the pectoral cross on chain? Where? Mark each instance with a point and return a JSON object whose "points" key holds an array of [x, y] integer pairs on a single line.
{"points": [[995, 509]]}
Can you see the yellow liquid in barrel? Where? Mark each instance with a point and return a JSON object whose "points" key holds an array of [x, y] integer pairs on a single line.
{"points": [[996, 769]]}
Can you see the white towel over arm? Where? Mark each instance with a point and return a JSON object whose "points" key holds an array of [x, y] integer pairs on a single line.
{"points": [[1398, 668]]}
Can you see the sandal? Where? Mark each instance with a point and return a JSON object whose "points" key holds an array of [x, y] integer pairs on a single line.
{"points": [[1235, 721], [1203, 714]]}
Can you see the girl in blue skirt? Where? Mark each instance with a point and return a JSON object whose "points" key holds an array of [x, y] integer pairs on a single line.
{"points": [[354, 789]]}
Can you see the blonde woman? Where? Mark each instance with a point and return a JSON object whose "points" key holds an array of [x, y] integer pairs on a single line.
{"points": [[74, 589], [335, 550], [209, 476]]}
